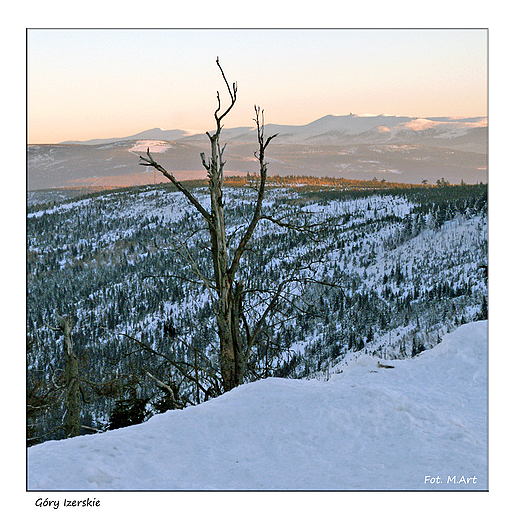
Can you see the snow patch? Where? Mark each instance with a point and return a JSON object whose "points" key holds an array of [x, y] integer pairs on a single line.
{"points": [[420, 124], [154, 146]]}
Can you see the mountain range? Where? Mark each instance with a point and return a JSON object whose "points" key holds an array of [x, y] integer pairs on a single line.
{"points": [[396, 148]]}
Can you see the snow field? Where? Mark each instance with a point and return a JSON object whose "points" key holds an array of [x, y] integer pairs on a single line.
{"points": [[368, 428]]}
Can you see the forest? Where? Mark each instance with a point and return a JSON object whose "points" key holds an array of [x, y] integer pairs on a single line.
{"points": [[378, 268]]}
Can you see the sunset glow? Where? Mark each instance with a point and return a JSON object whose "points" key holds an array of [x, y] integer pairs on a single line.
{"points": [[92, 83]]}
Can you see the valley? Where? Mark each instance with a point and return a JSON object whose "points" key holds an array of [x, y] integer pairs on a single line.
{"points": [[371, 268]]}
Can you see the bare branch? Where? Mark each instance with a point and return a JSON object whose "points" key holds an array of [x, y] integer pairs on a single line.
{"points": [[232, 94], [259, 201], [165, 386], [259, 325], [203, 159], [175, 364], [191, 198], [183, 251], [174, 276], [191, 261]]}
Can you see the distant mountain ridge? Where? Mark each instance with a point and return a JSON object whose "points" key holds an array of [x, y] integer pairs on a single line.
{"points": [[153, 133], [394, 148], [327, 130]]}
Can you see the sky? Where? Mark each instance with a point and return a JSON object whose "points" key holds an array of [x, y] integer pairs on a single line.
{"points": [[100, 83]]}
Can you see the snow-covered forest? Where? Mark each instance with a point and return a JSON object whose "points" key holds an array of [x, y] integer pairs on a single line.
{"points": [[384, 273]]}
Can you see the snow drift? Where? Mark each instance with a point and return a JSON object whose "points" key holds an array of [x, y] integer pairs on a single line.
{"points": [[420, 425]]}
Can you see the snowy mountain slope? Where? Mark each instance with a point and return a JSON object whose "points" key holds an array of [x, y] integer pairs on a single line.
{"points": [[402, 149], [152, 134], [108, 164], [325, 128], [421, 425], [382, 128]]}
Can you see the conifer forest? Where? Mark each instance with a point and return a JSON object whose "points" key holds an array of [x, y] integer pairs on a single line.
{"points": [[116, 279]]}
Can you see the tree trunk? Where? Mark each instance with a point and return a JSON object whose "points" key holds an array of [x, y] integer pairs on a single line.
{"points": [[228, 306], [232, 359], [71, 375]]}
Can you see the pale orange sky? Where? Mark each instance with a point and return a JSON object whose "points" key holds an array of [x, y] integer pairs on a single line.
{"points": [[85, 84]]}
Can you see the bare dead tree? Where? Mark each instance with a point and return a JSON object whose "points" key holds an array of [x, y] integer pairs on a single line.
{"points": [[71, 378], [226, 289], [49, 391], [242, 308]]}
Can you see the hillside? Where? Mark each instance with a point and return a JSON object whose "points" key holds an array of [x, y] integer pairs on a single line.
{"points": [[385, 272], [367, 428]]}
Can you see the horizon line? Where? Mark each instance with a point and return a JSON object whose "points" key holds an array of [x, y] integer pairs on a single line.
{"points": [[192, 132]]}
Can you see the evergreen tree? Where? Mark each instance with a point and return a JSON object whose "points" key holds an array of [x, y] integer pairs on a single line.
{"points": [[128, 411], [483, 313]]}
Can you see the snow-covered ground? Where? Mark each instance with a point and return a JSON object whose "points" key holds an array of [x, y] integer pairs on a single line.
{"points": [[421, 425], [154, 146]]}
